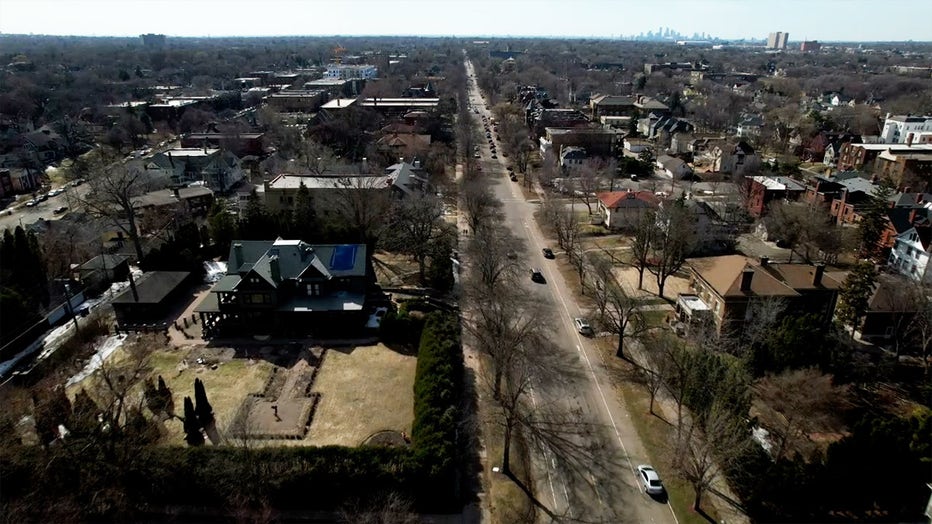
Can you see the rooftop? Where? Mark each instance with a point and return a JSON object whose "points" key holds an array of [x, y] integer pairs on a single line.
{"points": [[152, 287], [778, 183], [289, 181], [627, 199], [339, 103]]}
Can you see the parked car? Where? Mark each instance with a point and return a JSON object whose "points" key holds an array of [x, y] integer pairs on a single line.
{"points": [[494, 156], [60, 209], [512, 177], [537, 276], [650, 480], [32, 203], [582, 326], [548, 253]]}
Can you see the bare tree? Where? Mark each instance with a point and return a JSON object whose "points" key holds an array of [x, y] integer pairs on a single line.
{"points": [[641, 244], [624, 315], [796, 403], [391, 508], [114, 191], [481, 206], [902, 300], [490, 264], [564, 224], [674, 240], [418, 226], [362, 203], [705, 449], [921, 329]]}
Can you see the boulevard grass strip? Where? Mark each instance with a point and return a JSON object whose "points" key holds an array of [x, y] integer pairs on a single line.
{"points": [[658, 437], [508, 504], [363, 390]]}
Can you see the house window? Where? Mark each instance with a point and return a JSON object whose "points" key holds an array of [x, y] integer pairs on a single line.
{"points": [[259, 298]]}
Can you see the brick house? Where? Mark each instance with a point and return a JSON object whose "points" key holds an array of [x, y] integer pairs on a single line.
{"points": [[762, 190]]}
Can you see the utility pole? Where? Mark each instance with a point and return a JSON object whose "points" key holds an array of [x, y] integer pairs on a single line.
{"points": [[70, 309]]}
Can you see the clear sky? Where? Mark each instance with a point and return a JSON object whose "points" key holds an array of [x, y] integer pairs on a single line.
{"points": [[826, 20]]}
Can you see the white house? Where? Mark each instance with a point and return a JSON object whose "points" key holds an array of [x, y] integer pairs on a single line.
{"points": [[906, 129], [573, 158], [738, 159], [347, 71], [623, 209], [673, 167], [634, 145], [910, 255], [218, 169]]}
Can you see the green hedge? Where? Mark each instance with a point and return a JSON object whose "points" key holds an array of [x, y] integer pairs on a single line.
{"points": [[437, 387]]}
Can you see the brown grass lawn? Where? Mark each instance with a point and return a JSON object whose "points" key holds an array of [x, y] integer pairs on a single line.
{"points": [[226, 386], [363, 390]]}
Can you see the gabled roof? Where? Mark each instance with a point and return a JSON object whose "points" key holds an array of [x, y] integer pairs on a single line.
{"points": [[152, 287], [103, 261], [778, 183], [724, 275], [800, 276], [627, 199], [295, 257]]}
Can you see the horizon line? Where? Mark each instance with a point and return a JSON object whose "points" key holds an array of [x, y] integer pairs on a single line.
{"points": [[623, 38]]}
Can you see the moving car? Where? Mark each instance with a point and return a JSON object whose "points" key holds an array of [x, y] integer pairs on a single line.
{"points": [[537, 276], [582, 326], [548, 253], [650, 480], [32, 203]]}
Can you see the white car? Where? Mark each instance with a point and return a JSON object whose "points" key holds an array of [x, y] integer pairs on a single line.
{"points": [[582, 326], [650, 480]]}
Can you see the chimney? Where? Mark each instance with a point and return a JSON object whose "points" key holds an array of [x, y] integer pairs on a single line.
{"points": [[912, 216], [817, 276], [238, 255], [909, 140], [275, 269], [764, 261], [746, 277]]}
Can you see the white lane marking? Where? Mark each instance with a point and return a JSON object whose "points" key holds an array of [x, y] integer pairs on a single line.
{"points": [[598, 386]]}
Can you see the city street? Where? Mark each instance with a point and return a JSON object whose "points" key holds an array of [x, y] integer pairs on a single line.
{"points": [[604, 488]]}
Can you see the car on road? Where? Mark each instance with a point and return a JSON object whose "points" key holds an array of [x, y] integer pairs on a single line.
{"points": [[582, 326], [548, 253], [537, 276], [494, 156], [60, 209], [650, 480], [512, 176], [32, 203], [476, 155], [43, 198]]}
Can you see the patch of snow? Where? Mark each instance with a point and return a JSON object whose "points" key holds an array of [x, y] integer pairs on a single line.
{"points": [[214, 271], [106, 348], [762, 436]]}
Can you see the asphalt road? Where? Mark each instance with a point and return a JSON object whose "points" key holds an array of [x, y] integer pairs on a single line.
{"points": [[21, 215], [604, 487]]}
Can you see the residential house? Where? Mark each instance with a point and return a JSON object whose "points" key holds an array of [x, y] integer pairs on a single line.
{"points": [[18, 181], [297, 100], [674, 167], [738, 159], [347, 71], [634, 145], [623, 209], [913, 168], [596, 141], [750, 126], [99, 272], [762, 190], [910, 254], [288, 287], [573, 158], [890, 310], [856, 193], [856, 156], [611, 105], [815, 148], [240, 144], [44, 145], [403, 145], [399, 179], [218, 169], [539, 119], [662, 127], [729, 286], [400, 106], [906, 129], [646, 105]]}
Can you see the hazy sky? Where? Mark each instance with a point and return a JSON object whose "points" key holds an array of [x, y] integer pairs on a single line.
{"points": [[826, 20]]}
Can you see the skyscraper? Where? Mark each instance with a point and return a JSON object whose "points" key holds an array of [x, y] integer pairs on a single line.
{"points": [[777, 40]]}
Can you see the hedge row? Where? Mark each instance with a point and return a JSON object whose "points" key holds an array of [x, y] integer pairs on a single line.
{"points": [[437, 387]]}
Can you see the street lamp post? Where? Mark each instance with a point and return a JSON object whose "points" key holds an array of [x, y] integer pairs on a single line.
{"points": [[70, 309]]}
